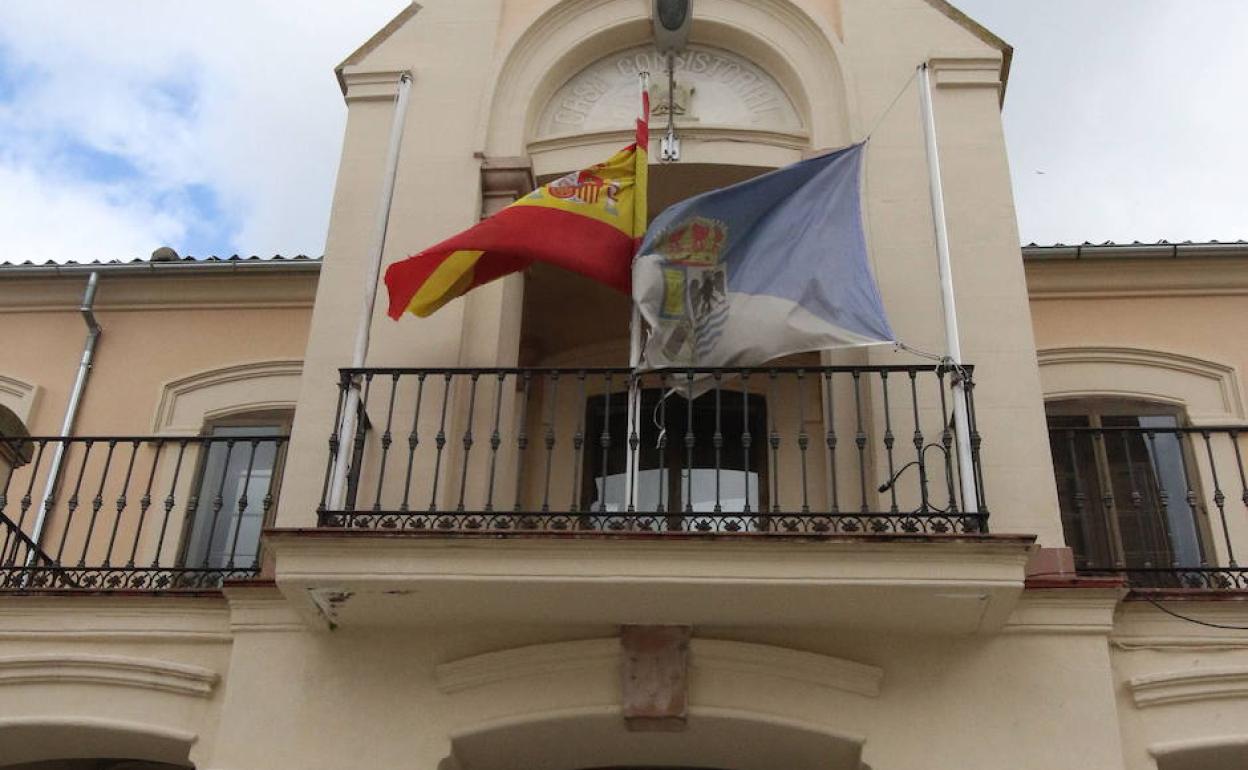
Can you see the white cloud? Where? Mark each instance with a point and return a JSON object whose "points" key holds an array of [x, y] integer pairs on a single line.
{"points": [[236, 97]]}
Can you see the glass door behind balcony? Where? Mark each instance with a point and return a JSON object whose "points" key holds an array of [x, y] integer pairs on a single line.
{"points": [[710, 454]]}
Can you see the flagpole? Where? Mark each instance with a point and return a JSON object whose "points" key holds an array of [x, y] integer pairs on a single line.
{"points": [[631, 469], [961, 426], [363, 329]]}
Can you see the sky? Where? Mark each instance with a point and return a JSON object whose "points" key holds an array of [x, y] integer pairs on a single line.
{"points": [[216, 127]]}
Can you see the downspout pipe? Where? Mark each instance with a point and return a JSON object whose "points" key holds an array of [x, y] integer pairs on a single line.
{"points": [[87, 309]]}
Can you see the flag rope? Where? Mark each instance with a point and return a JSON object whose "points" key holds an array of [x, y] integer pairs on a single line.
{"points": [[887, 110]]}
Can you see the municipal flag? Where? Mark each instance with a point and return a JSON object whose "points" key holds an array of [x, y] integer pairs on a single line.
{"points": [[767, 267]]}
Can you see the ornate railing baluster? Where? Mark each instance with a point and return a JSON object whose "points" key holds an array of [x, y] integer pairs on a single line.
{"points": [[170, 502], [604, 443], [803, 439], [1189, 494], [747, 439], [473, 379], [773, 442], [121, 503], [522, 440], [97, 503], [387, 437], [496, 440], [889, 440], [860, 440], [243, 502], [919, 458], [218, 500], [829, 440], [1079, 498], [686, 472], [550, 439], [1219, 499], [439, 442], [344, 383], [1137, 498], [661, 445], [717, 439], [413, 441], [578, 444], [71, 505], [145, 502], [946, 440]]}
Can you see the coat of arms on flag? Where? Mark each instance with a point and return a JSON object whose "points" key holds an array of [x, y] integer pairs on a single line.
{"points": [[774, 265], [695, 298]]}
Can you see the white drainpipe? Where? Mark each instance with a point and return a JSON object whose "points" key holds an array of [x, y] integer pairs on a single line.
{"points": [[71, 410]]}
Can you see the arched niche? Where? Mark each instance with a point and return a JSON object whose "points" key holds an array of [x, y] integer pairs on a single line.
{"points": [[774, 37], [557, 706], [42, 741], [1209, 392], [596, 738]]}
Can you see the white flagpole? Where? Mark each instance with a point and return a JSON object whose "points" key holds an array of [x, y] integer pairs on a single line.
{"points": [[961, 426], [634, 361], [346, 428]]}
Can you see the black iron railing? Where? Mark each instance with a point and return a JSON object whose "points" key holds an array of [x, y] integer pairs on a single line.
{"points": [[1160, 504], [137, 512], [817, 450]]}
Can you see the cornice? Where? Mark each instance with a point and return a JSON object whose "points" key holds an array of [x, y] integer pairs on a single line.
{"points": [[99, 618], [966, 69], [1189, 685], [1141, 626], [140, 673], [1088, 611], [201, 291], [361, 84], [1135, 277], [261, 609]]}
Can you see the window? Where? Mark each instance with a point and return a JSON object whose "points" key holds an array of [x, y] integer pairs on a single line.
{"points": [[666, 479], [1126, 484], [234, 481]]}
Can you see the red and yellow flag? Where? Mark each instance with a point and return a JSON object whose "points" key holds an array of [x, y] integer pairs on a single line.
{"points": [[589, 221]]}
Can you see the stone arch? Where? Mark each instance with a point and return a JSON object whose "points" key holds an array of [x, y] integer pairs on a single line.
{"points": [[790, 45], [518, 707], [1209, 391]]}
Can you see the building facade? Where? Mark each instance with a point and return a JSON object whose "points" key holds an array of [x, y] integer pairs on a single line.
{"points": [[226, 548]]}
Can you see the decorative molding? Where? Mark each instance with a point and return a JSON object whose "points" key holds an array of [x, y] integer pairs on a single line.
{"points": [[141, 673], [1210, 391], [539, 660], [261, 609], [1190, 685], [710, 656], [186, 403], [20, 397], [970, 69], [361, 84], [718, 657]]}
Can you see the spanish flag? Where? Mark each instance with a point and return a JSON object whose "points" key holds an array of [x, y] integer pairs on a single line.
{"points": [[589, 221]]}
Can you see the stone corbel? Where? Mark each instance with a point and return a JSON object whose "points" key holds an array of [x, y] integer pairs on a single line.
{"points": [[503, 181], [361, 84]]}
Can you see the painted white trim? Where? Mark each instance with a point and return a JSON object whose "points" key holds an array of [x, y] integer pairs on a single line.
{"points": [[1227, 408], [271, 385], [141, 673]]}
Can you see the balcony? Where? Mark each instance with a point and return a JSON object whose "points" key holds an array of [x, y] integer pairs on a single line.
{"points": [[137, 513], [1150, 500], [758, 451], [786, 495]]}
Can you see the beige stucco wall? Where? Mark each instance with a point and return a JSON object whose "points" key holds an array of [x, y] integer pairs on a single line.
{"points": [[840, 62]]}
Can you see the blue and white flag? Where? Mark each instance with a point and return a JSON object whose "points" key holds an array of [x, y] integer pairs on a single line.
{"points": [[771, 266]]}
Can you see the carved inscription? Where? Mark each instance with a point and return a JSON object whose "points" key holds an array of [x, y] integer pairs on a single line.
{"points": [[713, 87]]}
